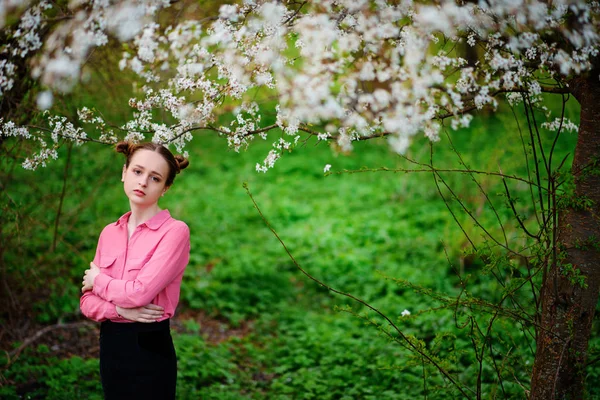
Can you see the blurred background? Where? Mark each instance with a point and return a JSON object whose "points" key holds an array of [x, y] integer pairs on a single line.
{"points": [[250, 324]]}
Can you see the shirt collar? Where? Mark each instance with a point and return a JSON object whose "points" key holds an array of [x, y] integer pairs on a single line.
{"points": [[153, 223], [124, 218]]}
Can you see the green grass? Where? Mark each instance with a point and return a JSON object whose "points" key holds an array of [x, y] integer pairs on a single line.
{"points": [[355, 232]]}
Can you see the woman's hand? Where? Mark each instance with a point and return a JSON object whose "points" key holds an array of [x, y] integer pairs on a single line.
{"points": [[88, 277], [149, 313]]}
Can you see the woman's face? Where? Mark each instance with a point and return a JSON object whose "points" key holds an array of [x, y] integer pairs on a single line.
{"points": [[144, 179]]}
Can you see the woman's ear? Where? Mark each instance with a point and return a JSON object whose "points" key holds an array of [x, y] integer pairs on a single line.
{"points": [[123, 173]]}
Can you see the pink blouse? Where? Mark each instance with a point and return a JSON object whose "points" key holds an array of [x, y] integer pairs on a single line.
{"points": [[145, 269]]}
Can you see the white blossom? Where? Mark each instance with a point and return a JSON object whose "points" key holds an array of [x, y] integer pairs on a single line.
{"points": [[559, 123], [339, 68], [229, 12], [44, 100]]}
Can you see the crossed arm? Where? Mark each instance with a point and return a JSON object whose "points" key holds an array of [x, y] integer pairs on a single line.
{"points": [[99, 309], [106, 298]]}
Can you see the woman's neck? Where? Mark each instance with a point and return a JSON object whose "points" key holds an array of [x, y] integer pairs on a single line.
{"points": [[139, 215]]}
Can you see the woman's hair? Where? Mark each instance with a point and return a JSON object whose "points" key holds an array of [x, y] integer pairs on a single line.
{"points": [[176, 163]]}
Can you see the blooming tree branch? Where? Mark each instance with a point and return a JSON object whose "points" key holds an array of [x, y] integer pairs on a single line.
{"points": [[355, 69]]}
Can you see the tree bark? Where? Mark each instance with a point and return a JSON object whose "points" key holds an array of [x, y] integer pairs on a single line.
{"points": [[567, 306]]}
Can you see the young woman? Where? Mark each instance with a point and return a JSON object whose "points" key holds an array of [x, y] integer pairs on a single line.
{"points": [[133, 284]]}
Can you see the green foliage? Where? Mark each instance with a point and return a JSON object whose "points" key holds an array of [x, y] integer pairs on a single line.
{"points": [[38, 374], [385, 237], [568, 270], [315, 358], [588, 243], [238, 292], [202, 366], [573, 274]]}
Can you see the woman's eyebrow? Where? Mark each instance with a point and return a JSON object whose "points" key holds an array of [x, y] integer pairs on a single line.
{"points": [[152, 172]]}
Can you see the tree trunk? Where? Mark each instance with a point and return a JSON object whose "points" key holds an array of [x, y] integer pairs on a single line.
{"points": [[568, 306]]}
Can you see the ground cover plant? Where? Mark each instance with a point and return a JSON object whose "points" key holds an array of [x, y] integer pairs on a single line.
{"points": [[513, 308], [354, 231]]}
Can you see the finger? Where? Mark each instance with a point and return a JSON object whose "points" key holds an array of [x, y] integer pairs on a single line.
{"points": [[151, 315], [146, 311], [154, 307], [151, 311], [146, 320]]}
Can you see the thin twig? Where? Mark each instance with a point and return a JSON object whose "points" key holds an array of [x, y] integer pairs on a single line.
{"points": [[535, 161], [85, 139], [538, 136], [474, 218], [498, 370], [558, 132], [559, 90], [437, 176], [429, 168], [478, 186], [526, 155], [516, 214], [62, 194]]}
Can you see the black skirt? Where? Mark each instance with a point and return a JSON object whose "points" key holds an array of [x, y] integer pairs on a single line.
{"points": [[137, 361]]}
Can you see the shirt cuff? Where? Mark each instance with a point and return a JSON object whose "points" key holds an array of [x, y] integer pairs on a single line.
{"points": [[111, 312]]}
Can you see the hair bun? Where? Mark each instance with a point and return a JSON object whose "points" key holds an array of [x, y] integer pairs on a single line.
{"points": [[125, 148], [182, 162]]}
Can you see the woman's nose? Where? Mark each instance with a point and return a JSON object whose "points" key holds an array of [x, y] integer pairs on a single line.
{"points": [[143, 182]]}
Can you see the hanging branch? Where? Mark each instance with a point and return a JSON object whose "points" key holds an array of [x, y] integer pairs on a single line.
{"points": [[528, 110], [429, 168], [437, 176], [62, 195], [516, 214], [479, 187], [526, 156]]}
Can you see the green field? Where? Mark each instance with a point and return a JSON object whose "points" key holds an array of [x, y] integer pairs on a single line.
{"points": [[282, 335]]}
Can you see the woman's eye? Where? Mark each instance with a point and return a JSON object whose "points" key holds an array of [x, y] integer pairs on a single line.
{"points": [[137, 171], [155, 179]]}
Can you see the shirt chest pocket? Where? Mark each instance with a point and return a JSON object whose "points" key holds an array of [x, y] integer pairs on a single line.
{"points": [[133, 266], [106, 261]]}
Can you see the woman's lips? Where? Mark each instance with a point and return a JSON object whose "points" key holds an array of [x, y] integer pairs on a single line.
{"points": [[139, 193]]}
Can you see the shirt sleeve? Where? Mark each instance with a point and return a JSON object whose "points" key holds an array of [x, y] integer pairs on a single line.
{"points": [[166, 264], [94, 307]]}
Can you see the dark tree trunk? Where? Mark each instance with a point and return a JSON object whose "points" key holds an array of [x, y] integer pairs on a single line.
{"points": [[568, 306]]}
